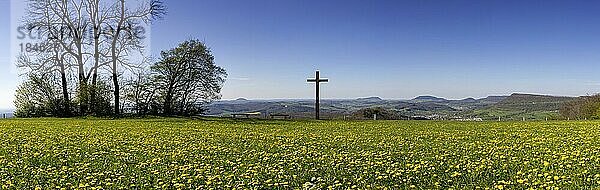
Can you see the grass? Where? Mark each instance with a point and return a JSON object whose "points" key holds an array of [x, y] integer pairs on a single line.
{"points": [[514, 115], [214, 153]]}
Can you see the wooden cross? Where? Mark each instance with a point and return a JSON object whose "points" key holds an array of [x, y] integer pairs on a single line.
{"points": [[317, 80]]}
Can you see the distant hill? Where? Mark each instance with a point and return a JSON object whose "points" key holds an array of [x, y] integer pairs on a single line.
{"points": [[424, 106], [472, 103], [518, 106], [513, 107], [428, 99], [469, 100], [532, 102], [493, 99], [370, 99]]}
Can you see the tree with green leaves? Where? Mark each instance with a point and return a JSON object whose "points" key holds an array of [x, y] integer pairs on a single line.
{"points": [[187, 78]]}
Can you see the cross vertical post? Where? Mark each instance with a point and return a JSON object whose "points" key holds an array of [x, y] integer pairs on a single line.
{"points": [[317, 80]]}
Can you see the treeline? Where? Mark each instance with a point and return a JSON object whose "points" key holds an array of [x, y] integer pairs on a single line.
{"points": [[379, 112], [91, 61], [586, 107]]}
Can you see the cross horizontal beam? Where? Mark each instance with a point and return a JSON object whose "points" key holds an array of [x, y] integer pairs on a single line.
{"points": [[315, 80]]}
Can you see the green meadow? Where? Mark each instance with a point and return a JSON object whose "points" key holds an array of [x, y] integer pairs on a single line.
{"points": [[210, 153]]}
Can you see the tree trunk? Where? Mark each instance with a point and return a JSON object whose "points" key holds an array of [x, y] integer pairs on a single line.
{"points": [[93, 90], [66, 102], [116, 93], [83, 90], [168, 102], [95, 73], [94, 17], [167, 105], [115, 58]]}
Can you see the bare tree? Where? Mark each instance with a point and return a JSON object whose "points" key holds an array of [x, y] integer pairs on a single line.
{"points": [[124, 38], [63, 22], [77, 28], [48, 57], [98, 15], [48, 62]]}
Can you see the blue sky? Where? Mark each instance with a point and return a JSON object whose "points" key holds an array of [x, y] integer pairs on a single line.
{"points": [[392, 49]]}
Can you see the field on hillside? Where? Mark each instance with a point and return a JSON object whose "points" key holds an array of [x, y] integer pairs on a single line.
{"points": [[200, 154]]}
